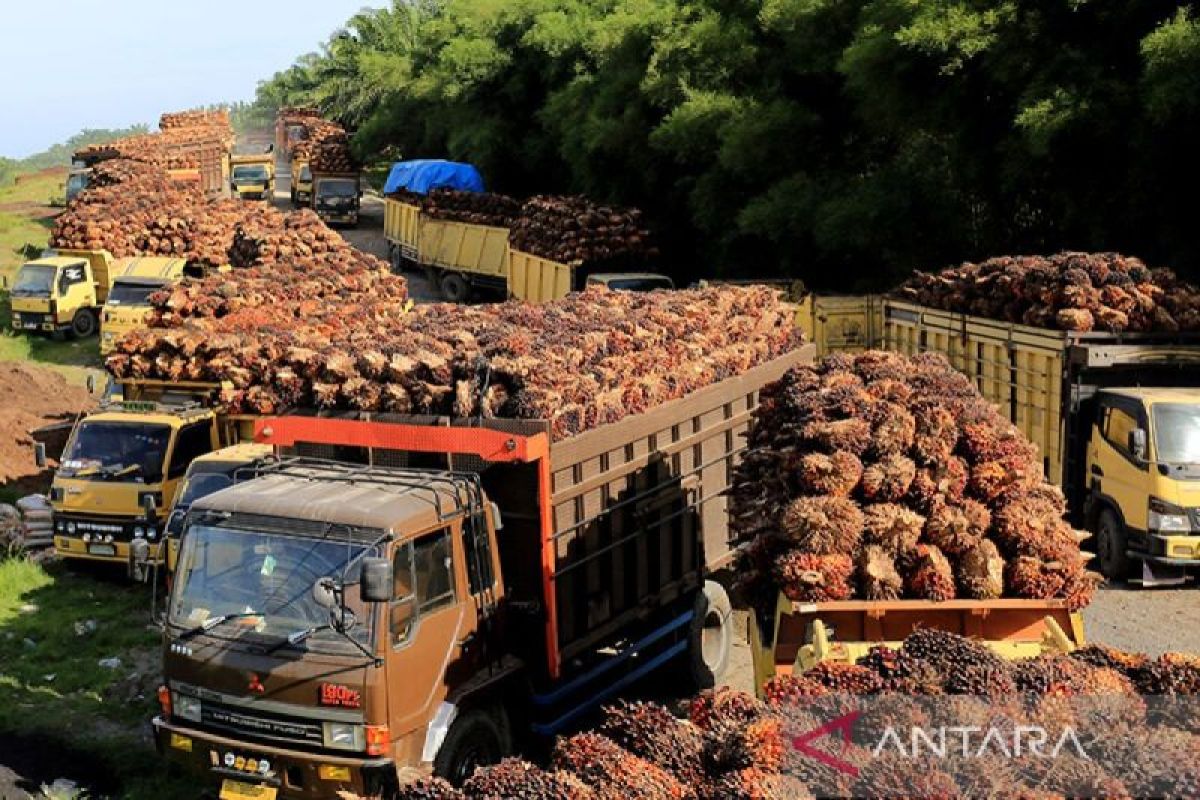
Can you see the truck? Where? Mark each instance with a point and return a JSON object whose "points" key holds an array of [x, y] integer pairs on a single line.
{"points": [[337, 196], [62, 292], [444, 588], [301, 183], [128, 304], [1115, 415], [461, 258], [252, 176], [123, 465]]}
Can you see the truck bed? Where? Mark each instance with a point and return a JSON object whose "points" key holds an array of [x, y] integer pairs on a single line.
{"points": [[601, 530]]}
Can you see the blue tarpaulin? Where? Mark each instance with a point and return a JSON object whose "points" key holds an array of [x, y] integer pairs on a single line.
{"points": [[423, 175]]}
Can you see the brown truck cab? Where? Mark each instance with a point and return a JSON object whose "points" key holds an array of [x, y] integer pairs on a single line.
{"points": [[343, 625]]}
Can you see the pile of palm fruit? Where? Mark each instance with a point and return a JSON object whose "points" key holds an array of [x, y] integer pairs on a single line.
{"points": [[334, 333], [475, 208], [1127, 711], [574, 230], [1068, 291], [881, 477]]}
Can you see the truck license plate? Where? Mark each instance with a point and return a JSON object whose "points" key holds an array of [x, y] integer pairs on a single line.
{"points": [[236, 790], [29, 325], [102, 549]]}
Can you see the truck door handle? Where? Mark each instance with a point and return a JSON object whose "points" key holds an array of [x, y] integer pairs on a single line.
{"points": [[1096, 470], [467, 640]]}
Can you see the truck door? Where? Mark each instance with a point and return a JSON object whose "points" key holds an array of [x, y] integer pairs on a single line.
{"points": [[1121, 479], [76, 290], [427, 620]]}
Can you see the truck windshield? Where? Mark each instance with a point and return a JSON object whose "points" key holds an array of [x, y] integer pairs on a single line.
{"points": [[131, 294], [126, 451], [34, 279], [338, 189], [76, 183], [235, 571], [1177, 433], [254, 172], [202, 484]]}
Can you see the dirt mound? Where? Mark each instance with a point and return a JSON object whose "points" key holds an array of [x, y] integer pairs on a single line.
{"points": [[31, 397]]}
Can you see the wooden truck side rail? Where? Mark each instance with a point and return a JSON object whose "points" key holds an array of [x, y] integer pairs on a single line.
{"points": [[801, 635], [623, 520]]}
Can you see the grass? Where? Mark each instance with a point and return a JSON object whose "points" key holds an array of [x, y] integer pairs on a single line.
{"points": [[56, 692], [24, 227]]}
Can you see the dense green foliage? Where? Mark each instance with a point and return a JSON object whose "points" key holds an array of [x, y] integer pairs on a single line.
{"points": [[842, 141], [60, 154]]}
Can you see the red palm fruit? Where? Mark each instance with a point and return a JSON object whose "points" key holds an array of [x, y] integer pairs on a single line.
{"points": [[791, 690], [841, 678], [1031, 577], [981, 571], [430, 788], [889, 479], [1100, 655], [823, 525], [713, 708], [936, 433], [890, 390], [835, 474], [614, 773], [945, 480], [809, 578], [891, 526], [652, 732], [930, 576]]}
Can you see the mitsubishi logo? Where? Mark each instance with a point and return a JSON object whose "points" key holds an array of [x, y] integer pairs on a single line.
{"points": [[256, 685]]}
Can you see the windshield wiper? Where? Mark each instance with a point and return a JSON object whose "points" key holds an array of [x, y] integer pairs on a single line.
{"points": [[297, 637], [213, 622]]}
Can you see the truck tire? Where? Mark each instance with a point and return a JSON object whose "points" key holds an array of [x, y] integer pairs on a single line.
{"points": [[396, 259], [1111, 545], [455, 288], [475, 739], [83, 324], [710, 636]]}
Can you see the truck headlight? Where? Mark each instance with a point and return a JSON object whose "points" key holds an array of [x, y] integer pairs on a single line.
{"points": [[71, 528], [139, 532], [1167, 517], [186, 707], [343, 735]]}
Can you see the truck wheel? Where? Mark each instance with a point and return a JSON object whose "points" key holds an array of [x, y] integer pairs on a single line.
{"points": [[476, 739], [83, 324], [455, 288], [1111, 544], [710, 636]]}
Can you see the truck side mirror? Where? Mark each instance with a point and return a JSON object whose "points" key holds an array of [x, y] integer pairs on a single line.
{"points": [[375, 586], [39, 454], [4, 281], [91, 383], [1137, 443]]}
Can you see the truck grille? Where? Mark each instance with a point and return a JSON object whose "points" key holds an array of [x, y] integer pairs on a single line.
{"points": [[261, 724], [120, 529], [25, 317]]}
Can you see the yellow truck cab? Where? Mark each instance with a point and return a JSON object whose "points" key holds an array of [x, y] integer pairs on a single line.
{"points": [[128, 305], [117, 460], [302, 183], [61, 292], [209, 473], [1143, 467], [252, 177]]}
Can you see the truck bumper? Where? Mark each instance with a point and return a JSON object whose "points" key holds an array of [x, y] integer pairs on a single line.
{"points": [[294, 773], [73, 547], [36, 323], [341, 219], [1182, 551]]}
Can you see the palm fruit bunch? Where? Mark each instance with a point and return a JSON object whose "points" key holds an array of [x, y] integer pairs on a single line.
{"points": [[899, 465], [431, 788], [614, 773], [650, 731], [514, 779], [1069, 291]]}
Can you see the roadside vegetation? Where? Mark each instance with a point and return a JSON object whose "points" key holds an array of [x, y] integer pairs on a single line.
{"points": [[70, 712], [845, 143]]}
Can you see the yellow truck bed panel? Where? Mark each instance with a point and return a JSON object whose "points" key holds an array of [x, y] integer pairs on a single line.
{"points": [[459, 246], [537, 280], [1020, 368], [401, 222], [841, 323]]}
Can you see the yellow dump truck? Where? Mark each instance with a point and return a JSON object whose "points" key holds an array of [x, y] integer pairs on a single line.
{"points": [[123, 465], [252, 176], [62, 292], [1114, 416], [301, 183], [128, 305]]}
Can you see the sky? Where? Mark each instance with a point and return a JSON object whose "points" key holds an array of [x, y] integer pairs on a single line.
{"points": [[74, 64]]}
